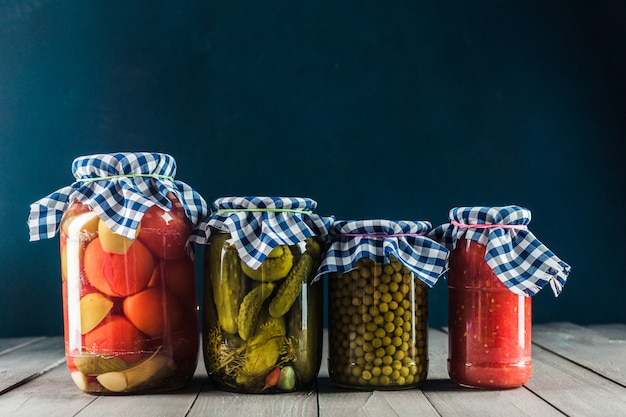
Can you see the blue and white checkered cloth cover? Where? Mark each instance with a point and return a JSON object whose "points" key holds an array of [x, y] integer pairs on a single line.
{"points": [[259, 224], [406, 241], [515, 255], [119, 188]]}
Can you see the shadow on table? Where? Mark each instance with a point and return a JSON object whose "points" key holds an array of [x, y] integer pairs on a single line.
{"points": [[325, 385]]}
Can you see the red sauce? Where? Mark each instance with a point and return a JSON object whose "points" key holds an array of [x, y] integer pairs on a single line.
{"points": [[489, 326]]}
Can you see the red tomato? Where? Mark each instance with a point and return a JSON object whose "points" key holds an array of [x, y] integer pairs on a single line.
{"points": [[154, 311], [179, 278], [118, 275], [165, 233], [116, 336]]}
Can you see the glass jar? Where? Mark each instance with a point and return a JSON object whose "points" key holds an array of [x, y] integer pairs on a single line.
{"points": [[378, 326], [262, 329], [129, 306], [489, 325]]}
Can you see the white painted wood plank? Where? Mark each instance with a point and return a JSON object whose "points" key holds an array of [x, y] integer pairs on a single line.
{"points": [[333, 402], [166, 404], [614, 331], [52, 394], [602, 351], [339, 402], [29, 361], [558, 386], [215, 403], [574, 390], [450, 399], [8, 344]]}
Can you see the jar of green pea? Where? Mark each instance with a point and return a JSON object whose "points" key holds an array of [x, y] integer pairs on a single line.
{"points": [[379, 273]]}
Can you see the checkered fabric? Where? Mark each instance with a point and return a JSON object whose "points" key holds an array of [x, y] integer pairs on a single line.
{"points": [[379, 240], [119, 188], [514, 254], [259, 224]]}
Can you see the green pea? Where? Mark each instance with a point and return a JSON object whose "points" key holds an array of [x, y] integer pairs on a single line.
{"points": [[385, 327], [389, 327]]}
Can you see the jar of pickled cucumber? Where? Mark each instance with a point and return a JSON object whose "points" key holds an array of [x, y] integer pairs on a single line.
{"points": [[262, 314], [128, 279], [379, 273], [495, 266]]}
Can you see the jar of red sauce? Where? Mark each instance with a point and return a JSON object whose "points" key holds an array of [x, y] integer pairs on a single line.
{"points": [[496, 265], [130, 306], [489, 326]]}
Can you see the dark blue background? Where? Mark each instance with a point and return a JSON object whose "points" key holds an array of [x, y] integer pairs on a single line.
{"points": [[376, 109]]}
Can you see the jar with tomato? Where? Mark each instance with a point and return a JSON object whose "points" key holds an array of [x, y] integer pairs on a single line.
{"points": [[128, 278], [496, 265], [262, 314]]}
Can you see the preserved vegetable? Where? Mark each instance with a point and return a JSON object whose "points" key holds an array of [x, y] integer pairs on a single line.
{"points": [[379, 273], [496, 265], [130, 306], [131, 322], [262, 313], [378, 326], [489, 326], [268, 350]]}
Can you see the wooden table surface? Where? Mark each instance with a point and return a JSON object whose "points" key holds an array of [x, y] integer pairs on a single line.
{"points": [[577, 371]]}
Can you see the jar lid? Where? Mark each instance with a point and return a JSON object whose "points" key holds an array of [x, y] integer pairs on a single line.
{"points": [[119, 188], [380, 240], [516, 256], [259, 224]]}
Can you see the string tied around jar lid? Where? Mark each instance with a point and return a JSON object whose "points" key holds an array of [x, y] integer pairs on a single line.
{"points": [[114, 177], [381, 235], [515, 255], [264, 210], [489, 226], [119, 187], [382, 240], [258, 224]]}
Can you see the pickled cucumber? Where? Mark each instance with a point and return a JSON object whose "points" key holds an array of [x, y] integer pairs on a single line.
{"points": [[291, 286], [277, 252], [250, 308], [313, 248], [306, 330], [273, 268], [242, 361], [289, 290], [227, 284], [262, 351]]}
